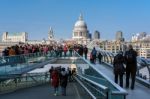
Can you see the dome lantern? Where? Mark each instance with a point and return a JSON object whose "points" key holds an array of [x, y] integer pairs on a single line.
{"points": [[80, 17]]}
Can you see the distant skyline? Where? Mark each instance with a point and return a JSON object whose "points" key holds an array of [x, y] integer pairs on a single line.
{"points": [[107, 16]]}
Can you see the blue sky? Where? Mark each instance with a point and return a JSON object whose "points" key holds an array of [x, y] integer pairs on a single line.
{"points": [[106, 16]]}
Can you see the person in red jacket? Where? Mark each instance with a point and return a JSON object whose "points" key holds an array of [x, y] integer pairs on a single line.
{"points": [[65, 50], [55, 81]]}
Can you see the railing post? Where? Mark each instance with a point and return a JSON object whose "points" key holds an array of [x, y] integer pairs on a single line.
{"points": [[107, 95], [15, 80], [124, 96], [138, 73], [111, 60], [0, 86]]}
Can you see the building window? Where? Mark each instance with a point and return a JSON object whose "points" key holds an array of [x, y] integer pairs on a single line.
{"points": [[80, 33], [75, 33]]}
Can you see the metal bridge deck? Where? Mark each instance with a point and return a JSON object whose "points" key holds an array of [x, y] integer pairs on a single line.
{"points": [[74, 91]]}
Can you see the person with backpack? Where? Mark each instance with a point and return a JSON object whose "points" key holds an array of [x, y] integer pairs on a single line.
{"points": [[119, 67], [131, 66], [63, 81], [85, 51], [94, 52]]}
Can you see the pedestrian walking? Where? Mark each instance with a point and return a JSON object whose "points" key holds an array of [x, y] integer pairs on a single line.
{"points": [[55, 81], [131, 66], [99, 57], [94, 52], [63, 81]]}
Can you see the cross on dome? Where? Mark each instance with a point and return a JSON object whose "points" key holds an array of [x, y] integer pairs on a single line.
{"points": [[81, 16]]}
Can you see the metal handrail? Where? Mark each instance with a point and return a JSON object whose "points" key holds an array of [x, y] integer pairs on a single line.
{"points": [[95, 77], [88, 91], [121, 90], [22, 82], [94, 83]]}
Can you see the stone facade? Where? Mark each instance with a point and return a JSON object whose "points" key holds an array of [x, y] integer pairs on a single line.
{"points": [[15, 37]]}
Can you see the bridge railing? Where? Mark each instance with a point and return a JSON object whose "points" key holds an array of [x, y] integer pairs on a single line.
{"points": [[24, 81], [88, 71], [95, 90], [10, 64], [23, 58], [9, 60]]}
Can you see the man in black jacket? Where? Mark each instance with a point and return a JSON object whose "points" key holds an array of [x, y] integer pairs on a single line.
{"points": [[85, 50], [63, 81], [80, 51], [100, 57], [131, 66]]}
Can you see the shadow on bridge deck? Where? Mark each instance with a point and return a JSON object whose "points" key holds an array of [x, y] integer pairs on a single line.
{"points": [[74, 91]]}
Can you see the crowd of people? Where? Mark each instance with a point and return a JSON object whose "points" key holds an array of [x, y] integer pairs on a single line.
{"points": [[59, 76], [58, 49], [25, 49]]}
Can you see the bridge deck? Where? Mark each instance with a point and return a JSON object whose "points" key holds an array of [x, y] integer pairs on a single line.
{"points": [[140, 91], [74, 91]]}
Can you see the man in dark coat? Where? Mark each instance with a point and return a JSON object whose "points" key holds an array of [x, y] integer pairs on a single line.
{"points": [[80, 51], [63, 81], [131, 66], [99, 57], [85, 51], [94, 52]]}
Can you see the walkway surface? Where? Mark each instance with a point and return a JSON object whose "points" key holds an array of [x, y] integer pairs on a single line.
{"points": [[140, 91], [74, 91]]}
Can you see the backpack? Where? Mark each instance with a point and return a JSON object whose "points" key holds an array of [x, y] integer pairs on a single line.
{"points": [[94, 52], [91, 57], [99, 55], [118, 66], [130, 57], [85, 50]]}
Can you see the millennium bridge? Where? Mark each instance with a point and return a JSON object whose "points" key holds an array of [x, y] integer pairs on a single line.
{"points": [[27, 77]]}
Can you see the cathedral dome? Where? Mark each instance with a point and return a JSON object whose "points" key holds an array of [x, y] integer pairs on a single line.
{"points": [[80, 23]]}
